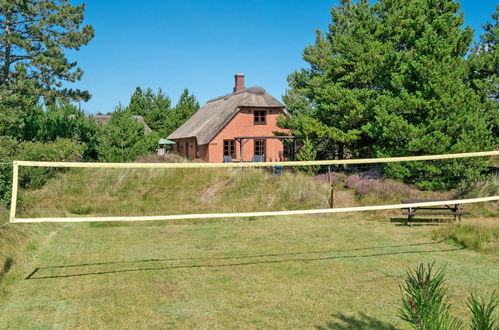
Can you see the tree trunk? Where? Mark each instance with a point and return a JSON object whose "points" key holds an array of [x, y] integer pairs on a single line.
{"points": [[341, 151], [8, 48]]}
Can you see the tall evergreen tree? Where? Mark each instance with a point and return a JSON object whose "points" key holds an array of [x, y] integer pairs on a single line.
{"points": [[390, 79], [154, 107], [157, 110], [484, 69], [186, 106], [33, 37], [331, 101], [427, 106]]}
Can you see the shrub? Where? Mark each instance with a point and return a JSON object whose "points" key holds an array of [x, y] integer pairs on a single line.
{"points": [[8, 147], [124, 139], [335, 178], [426, 307], [58, 121], [489, 186], [437, 175], [167, 158], [33, 177], [57, 151], [385, 189]]}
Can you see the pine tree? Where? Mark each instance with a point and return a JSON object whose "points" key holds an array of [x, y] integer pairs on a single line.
{"points": [[331, 101], [124, 139], [34, 35], [426, 106], [306, 153], [391, 79], [157, 110], [154, 107], [484, 70], [186, 106]]}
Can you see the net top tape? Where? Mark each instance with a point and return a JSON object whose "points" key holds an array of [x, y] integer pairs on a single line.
{"points": [[257, 164]]}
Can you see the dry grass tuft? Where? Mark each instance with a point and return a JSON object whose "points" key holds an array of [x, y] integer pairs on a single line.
{"points": [[479, 235]]}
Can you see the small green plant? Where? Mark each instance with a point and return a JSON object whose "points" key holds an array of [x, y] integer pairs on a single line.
{"points": [[482, 309], [426, 307]]}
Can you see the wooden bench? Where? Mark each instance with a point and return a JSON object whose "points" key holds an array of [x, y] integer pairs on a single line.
{"points": [[456, 209]]}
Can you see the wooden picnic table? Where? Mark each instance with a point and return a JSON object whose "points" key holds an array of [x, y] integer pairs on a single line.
{"points": [[453, 209]]}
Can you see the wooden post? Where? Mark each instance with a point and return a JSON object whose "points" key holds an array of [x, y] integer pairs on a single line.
{"points": [[241, 150], [294, 149], [331, 192], [410, 216], [331, 197], [15, 183]]}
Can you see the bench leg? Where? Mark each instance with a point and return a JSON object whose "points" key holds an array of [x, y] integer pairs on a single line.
{"points": [[409, 219]]}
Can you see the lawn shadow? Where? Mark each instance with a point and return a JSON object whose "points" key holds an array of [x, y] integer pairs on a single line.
{"points": [[164, 223], [7, 265], [421, 221], [361, 322], [237, 260]]}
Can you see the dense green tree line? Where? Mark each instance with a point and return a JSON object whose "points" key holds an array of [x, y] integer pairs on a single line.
{"points": [[125, 139], [394, 78], [158, 112]]}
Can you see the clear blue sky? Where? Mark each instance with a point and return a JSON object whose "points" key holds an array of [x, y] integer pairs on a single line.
{"points": [[174, 44]]}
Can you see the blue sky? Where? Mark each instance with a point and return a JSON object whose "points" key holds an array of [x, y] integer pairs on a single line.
{"points": [[177, 44]]}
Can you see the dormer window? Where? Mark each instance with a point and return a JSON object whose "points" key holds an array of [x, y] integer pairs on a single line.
{"points": [[260, 117]]}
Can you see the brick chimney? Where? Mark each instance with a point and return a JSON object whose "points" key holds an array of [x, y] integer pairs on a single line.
{"points": [[239, 82]]}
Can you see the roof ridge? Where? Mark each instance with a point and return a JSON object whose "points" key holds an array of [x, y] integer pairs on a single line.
{"points": [[253, 90]]}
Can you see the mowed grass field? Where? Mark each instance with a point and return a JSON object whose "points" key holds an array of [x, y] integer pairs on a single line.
{"points": [[341, 271], [328, 272]]}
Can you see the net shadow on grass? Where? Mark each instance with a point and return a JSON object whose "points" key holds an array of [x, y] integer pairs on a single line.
{"points": [[32, 275], [241, 256], [361, 322], [421, 221]]}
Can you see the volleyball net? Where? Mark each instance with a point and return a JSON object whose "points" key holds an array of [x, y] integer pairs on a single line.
{"points": [[81, 192]]}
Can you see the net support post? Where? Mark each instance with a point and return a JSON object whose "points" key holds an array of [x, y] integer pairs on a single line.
{"points": [[15, 184]]}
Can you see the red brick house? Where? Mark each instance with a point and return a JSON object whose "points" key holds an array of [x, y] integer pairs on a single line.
{"points": [[214, 132]]}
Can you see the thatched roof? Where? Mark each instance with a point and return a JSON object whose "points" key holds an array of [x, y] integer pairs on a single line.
{"points": [[104, 119], [216, 113]]}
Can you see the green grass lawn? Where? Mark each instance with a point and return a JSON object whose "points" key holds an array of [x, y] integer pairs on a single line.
{"points": [[340, 271], [334, 272]]}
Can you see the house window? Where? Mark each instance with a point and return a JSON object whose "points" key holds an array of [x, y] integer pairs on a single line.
{"points": [[230, 148], [260, 117], [259, 147]]}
